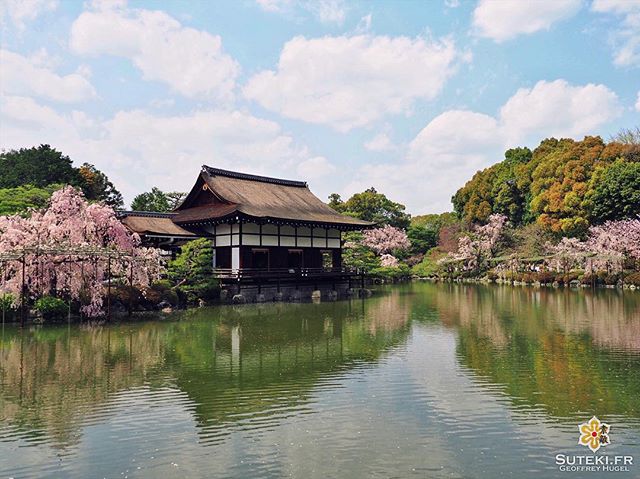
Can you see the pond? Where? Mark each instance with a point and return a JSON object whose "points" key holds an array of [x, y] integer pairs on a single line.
{"points": [[421, 380]]}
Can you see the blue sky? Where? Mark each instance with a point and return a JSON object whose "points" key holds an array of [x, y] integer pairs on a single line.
{"points": [[409, 97]]}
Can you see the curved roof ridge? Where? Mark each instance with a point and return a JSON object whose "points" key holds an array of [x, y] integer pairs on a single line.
{"points": [[246, 176]]}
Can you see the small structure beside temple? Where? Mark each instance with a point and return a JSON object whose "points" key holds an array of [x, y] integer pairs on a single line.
{"points": [[266, 233]]}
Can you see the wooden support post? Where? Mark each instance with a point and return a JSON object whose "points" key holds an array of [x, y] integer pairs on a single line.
{"points": [[109, 288], [131, 286], [23, 295]]}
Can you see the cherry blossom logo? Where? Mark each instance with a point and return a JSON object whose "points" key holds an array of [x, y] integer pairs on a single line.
{"points": [[594, 434]]}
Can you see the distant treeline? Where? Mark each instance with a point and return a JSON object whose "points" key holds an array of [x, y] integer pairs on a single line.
{"points": [[563, 185]]}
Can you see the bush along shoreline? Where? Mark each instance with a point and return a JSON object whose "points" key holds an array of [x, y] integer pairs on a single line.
{"points": [[572, 279]]}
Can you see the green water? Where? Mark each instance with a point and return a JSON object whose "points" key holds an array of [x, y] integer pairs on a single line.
{"points": [[421, 380]]}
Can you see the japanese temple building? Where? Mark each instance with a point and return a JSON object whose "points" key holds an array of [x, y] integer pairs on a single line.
{"points": [[262, 229]]}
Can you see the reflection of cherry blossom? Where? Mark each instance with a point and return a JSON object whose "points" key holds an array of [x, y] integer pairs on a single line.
{"points": [[70, 223]]}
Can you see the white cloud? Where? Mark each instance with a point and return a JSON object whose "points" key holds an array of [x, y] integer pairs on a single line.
{"points": [[22, 11], [278, 6], [347, 82], [316, 167], [138, 149], [326, 11], [626, 34], [502, 20], [638, 102], [192, 62], [23, 76], [558, 109], [457, 143], [380, 142]]}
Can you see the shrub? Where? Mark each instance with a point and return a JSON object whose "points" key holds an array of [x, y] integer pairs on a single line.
{"points": [[51, 308], [612, 278], [545, 277], [7, 305], [166, 292], [391, 272], [429, 265], [192, 272], [127, 296], [633, 278]]}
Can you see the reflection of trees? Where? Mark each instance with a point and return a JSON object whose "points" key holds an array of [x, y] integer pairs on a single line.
{"points": [[233, 363], [50, 378], [264, 361], [562, 350]]}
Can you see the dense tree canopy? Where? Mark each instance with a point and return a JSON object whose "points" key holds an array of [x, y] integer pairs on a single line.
{"points": [[372, 206], [21, 199], [615, 191], [42, 167], [38, 166], [495, 190], [563, 185], [157, 200], [97, 187]]}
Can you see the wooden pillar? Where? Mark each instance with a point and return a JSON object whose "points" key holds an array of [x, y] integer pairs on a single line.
{"points": [[23, 294], [131, 285], [109, 288]]}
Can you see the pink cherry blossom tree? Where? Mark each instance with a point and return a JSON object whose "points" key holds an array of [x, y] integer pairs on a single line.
{"points": [[389, 261], [386, 240], [480, 245], [616, 238], [70, 249], [568, 254]]}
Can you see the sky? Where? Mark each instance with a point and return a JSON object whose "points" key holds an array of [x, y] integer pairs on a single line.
{"points": [[410, 97]]}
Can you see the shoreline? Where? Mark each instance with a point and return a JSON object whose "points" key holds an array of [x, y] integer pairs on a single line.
{"points": [[536, 284]]}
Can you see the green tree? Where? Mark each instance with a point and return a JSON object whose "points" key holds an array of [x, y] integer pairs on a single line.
{"points": [[335, 201], [97, 187], [356, 255], [20, 199], [560, 183], [38, 166], [192, 270], [422, 237], [495, 190], [372, 206], [615, 192], [157, 200]]}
